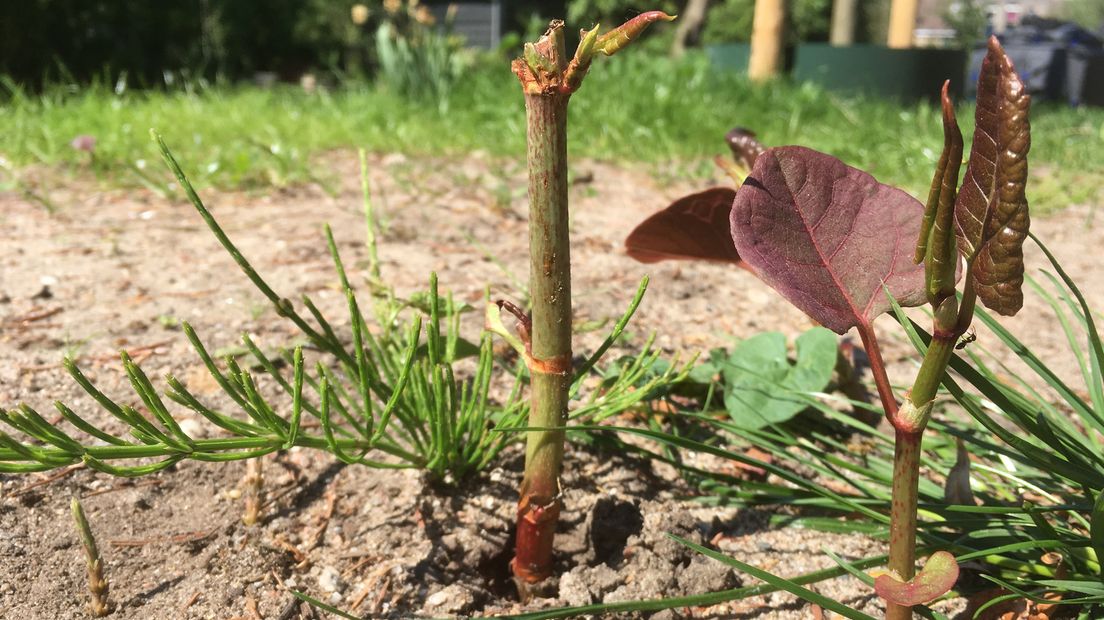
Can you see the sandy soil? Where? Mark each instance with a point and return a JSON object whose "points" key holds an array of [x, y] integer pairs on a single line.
{"points": [[115, 269]]}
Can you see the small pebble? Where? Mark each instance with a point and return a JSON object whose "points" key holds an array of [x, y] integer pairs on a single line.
{"points": [[330, 579], [193, 428], [437, 599]]}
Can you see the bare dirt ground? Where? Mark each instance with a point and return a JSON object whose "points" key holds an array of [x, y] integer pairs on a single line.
{"points": [[116, 269]]}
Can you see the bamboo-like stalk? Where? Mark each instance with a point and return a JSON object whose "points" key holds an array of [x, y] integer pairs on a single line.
{"points": [[902, 513], [548, 79], [550, 365], [766, 39]]}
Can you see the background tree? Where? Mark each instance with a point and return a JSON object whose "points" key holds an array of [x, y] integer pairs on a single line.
{"points": [[968, 19]]}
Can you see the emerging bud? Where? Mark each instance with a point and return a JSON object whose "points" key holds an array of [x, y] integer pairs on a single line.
{"points": [[937, 247], [612, 42]]}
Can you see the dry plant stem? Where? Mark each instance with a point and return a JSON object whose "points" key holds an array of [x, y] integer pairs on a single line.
{"points": [[99, 606], [550, 364], [254, 491]]}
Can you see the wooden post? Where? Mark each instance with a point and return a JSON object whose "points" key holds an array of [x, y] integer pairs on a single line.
{"points": [[766, 39], [843, 22], [902, 23]]}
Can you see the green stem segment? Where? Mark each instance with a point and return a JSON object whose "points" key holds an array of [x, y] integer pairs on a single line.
{"points": [[902, 515], [548, 78], [909, 423], [550, 352]]}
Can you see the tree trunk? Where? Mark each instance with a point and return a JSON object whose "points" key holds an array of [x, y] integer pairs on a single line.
{"points": [[843, 22], [766, 39], [902, 23], [688, 33]]}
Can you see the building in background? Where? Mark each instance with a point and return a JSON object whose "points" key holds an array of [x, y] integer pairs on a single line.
{"points": [[480, 23], [937, 20]]}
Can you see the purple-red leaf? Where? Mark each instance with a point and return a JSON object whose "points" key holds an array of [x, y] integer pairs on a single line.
{"points": [[828, 237], [991, 211], [933, 581], [694, 227]]}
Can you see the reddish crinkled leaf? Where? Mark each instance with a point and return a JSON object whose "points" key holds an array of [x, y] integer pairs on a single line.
{"points": [[991, 217], [828, 236], [933, 581], [694, 227]]}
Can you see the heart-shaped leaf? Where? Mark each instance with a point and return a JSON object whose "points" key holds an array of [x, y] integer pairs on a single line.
{"points": [[991, 215], [933, 581], [762, 384], [828, 237], [694, 227]]}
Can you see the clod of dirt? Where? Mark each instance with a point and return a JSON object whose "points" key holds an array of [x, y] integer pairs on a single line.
{"points": [[454, 599]]}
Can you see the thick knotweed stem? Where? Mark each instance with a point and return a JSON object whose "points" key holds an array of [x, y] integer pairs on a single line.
{"points": [[548, 78]]}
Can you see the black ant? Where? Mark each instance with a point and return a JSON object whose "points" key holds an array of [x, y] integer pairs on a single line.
{"points": [[967, 339]]}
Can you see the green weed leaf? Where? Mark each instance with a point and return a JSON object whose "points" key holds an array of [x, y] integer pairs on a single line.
{"points": [[762, 384]]}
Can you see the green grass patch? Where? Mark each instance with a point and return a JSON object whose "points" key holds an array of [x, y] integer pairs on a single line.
{"points": [[632, 109]]}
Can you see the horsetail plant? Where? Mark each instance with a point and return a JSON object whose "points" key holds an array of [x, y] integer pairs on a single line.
{"points": [[98, 605], [548, 79], [388, 401]]}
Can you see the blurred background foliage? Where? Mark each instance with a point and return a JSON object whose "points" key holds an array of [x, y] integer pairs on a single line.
{"points": [[153, 43], [47, 41], [338, 73]]}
